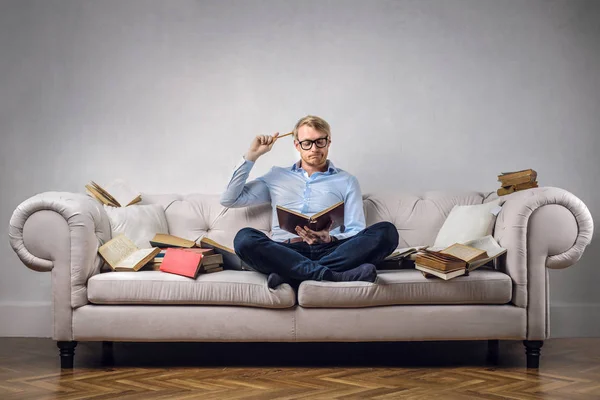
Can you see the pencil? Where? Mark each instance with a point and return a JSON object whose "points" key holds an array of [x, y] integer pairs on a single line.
{"points": [[287, 134]]}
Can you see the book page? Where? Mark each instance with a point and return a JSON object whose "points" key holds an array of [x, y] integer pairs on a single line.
{"points": [[97, 195], [122, 192], [405, 251], [487, 243], [287, 210], [105, 194], [132, 259], [463, 252], [117, 249]]}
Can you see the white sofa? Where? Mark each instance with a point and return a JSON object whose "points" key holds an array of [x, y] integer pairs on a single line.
{"points": [[541, 228]]}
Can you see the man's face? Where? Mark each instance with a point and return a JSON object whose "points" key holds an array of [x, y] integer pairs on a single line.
{"points": [[315, 156]]}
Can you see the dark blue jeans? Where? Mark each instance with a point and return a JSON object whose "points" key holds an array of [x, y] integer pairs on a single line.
{"points": [[300, 261]]}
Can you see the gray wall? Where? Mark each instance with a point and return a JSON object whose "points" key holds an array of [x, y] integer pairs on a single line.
{"points": [[420, 95]]}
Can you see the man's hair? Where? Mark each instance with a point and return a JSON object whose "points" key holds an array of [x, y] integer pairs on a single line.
{"points": [[314, 122]]}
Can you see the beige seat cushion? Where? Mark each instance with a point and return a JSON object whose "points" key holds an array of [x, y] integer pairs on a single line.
{"points": [[243, 288], [482, 286]]}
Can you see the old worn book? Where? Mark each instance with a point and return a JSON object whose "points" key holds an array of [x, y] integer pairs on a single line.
{"points": [[290, 219], [432, 272], [212, 260], [230, 258], [206, 270], [517, 177], [503, 191], [121, 254], [209, 256], [439, 261], [164, 240], [180, 262], [460, 259], [118, 193]]}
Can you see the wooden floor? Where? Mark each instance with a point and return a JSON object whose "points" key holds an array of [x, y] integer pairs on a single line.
{"points": [[29, 369]]}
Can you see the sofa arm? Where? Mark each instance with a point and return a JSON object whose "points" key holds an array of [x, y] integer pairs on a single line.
{"points": [[540, 227], [61, 232]]}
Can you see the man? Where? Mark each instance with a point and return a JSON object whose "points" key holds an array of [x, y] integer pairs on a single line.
{"points": [[347, 253]]}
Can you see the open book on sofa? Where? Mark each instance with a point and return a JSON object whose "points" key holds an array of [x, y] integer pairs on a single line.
{"points": [[121, 254], [459, 258]]}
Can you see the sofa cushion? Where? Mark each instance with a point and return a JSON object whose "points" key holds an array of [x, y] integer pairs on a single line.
{"points": [[482, 286], [465, 223], [242, 288], [138, 222]]}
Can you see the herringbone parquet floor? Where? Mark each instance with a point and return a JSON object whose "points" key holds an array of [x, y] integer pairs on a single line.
{"points": [[29, 369]]}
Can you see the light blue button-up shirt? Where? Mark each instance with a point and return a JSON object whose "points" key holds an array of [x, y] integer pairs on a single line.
{"points": [[294, 189]]}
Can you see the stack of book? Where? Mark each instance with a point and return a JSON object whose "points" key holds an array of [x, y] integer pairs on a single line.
{"points": [[158, 259], [170, 254], [184, 257], [458, 259], [518, 180]]}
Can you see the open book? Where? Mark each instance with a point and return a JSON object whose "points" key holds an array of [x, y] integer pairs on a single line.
{"points": [[405, 252], [289, 219], [459, 259], [117, 194], [230, 258], [123, 255]]}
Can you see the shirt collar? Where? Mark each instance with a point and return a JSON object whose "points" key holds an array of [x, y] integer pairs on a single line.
{"points": [[331, 169]]}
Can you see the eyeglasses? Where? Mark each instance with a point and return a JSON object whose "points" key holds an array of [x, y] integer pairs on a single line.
{"points": [[320, 143]]}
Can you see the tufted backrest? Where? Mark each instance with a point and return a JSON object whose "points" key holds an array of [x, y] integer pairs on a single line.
{"points": [[418, 218]]}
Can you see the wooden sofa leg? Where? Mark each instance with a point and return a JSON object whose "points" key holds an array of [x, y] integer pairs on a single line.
{"points": [[67, 352], [493, 351], [532, 350]]}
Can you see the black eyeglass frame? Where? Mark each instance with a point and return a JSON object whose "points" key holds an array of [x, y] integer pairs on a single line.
{"points": [[326, 138]]}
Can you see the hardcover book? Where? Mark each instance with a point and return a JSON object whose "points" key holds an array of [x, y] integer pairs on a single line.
{"points": [[289, 219], [181, 262], [163, 240]]}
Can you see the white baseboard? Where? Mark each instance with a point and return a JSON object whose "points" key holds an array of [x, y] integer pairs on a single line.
{"points": [[34, 319], [26, 319]]}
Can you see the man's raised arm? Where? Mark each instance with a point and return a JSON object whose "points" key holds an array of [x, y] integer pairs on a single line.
{"points": [[242, 194]]}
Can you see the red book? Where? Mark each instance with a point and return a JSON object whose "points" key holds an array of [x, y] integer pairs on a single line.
{"points": [[181, 262]]}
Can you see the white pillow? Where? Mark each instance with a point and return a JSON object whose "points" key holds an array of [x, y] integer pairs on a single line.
{"points": [[466, 223], [138, 222]]}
